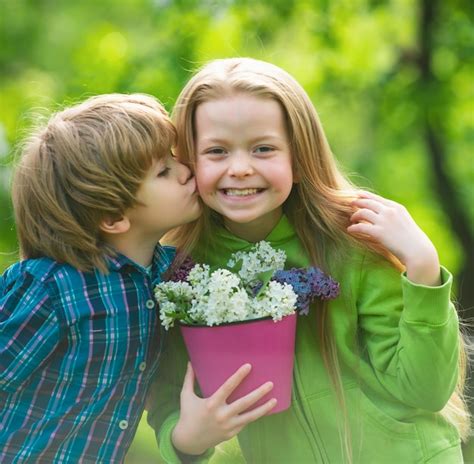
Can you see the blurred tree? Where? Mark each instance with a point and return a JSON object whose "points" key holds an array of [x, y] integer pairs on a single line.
{"points": [[434, 130]]}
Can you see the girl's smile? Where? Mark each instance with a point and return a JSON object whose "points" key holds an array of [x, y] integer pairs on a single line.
{"points": [[232, 192], [241, 195], [243, 169]]}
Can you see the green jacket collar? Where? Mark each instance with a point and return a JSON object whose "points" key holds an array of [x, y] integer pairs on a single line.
{"points": [[282, 233]]}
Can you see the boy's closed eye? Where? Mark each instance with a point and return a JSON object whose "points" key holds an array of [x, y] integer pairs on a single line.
{"points": [[163, 172]]}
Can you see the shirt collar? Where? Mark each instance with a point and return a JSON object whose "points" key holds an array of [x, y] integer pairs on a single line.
{"points": [[162, 258]]}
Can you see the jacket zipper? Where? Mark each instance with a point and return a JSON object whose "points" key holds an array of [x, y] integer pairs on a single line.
{"points": [[312, 433]]}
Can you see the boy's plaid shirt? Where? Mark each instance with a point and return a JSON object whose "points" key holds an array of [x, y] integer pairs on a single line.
{"points": [[77, 354]]}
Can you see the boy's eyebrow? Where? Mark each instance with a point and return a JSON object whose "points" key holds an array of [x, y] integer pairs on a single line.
{"points": [[158, 163]]}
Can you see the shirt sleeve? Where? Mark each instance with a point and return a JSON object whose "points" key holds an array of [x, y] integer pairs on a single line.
{"points": [[410, 334], [164, 400], [29, 330]]}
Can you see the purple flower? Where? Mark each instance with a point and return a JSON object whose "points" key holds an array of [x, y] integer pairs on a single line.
{"points": [[308, 284], [180, 273], [255, 287]]}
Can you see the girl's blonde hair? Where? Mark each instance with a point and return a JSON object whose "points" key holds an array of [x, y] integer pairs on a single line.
{"points": [[85, 165], [319, 204]]}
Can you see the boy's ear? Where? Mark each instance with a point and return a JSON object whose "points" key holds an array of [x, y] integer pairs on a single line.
{"points": [[115, 226]]}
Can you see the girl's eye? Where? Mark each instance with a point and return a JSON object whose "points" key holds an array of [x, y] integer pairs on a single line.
{"points": [[263, 149], [164, 172], [215, 151]]}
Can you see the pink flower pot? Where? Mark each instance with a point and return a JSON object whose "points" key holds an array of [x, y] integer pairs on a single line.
{"points": [[217, 352]]}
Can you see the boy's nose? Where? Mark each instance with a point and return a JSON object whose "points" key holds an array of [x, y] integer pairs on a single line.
{"points": [[240, 165], [184, 173]]}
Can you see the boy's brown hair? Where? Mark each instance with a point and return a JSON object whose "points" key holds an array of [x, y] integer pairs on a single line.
{"points": [[84, 166]]}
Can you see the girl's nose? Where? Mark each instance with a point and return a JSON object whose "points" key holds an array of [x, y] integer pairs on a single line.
{"points": [[240, 165]]}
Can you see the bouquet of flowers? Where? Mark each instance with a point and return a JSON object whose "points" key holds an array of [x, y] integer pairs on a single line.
{"points": [[254, 285]]}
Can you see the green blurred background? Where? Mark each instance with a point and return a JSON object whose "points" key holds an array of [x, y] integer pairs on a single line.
{"points": [[391, 80]]}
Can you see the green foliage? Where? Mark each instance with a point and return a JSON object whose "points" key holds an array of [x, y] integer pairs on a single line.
{"points": [[355, 59], [358, 60]]}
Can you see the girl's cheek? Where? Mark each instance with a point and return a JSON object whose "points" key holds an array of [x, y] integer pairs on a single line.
{"points": [[202, 186]]}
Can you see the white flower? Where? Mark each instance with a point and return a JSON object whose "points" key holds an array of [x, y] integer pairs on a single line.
{"points": [[277, 301], [199, 278], [174, 298], [224, 293], [167, 308], [264, 258]]}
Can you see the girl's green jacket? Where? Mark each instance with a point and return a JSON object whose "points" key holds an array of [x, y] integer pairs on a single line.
{"points": [[397, 345]]}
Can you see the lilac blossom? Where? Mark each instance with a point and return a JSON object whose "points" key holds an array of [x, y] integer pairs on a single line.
{"points": [[308, 284], [255, 286], [180, 274]]}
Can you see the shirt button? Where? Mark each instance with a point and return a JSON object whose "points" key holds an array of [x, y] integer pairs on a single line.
{"points": [[150, 304], [123, 424], [142, 366]]}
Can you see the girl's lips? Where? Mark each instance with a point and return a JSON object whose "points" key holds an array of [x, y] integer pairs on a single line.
{"points": [[252, 194], [241, 192]]}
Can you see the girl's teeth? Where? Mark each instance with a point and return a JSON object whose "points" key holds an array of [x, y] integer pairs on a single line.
{"points": [[241, 192]]}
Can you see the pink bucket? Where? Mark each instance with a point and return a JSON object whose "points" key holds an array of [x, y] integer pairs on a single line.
{"points": [[217, 352]]}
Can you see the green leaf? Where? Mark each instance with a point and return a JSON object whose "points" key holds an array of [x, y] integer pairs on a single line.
{"points": [[264, 277], [237, 266]]}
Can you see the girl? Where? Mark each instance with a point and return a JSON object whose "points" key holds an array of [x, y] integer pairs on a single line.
{"points": [[378, 373]]}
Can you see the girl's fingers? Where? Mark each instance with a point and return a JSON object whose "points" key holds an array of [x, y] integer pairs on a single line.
{"points": [[254, 414], [369, 203], [188, 383], [244, 403], [374, 196], [363, 228], [232, 383], [364, 215]]}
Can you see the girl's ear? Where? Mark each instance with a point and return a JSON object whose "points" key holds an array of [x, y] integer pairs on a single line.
{"points": [[115, 226]]}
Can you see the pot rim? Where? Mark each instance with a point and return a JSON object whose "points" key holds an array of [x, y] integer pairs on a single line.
{"points": [[226, 324]]}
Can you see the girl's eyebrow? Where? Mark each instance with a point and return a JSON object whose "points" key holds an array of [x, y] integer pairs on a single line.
{"points": [[266, 137], [211, 140], [258, 139]]}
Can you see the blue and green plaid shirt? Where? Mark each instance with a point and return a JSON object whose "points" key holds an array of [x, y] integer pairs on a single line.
{"points": [[77, 354]]}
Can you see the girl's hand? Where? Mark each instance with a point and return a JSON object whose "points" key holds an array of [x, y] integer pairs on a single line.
{"points": [[390, 224], [206, 422]]}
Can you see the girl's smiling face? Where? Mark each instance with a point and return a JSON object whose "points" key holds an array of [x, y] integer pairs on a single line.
{"points": [[243, 168]]}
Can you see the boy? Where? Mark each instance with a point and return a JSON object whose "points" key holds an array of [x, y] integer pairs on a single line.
{"points": [[79, 330]]}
